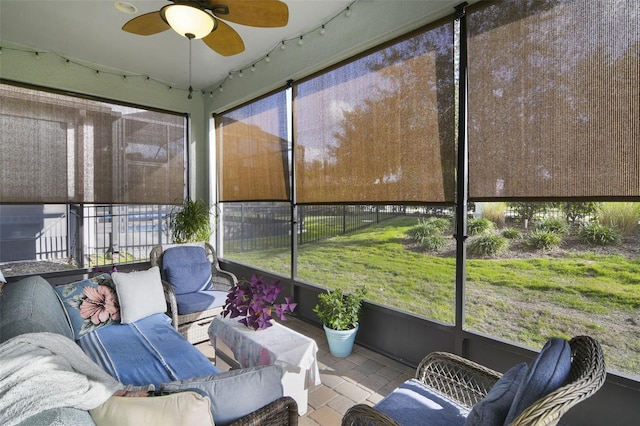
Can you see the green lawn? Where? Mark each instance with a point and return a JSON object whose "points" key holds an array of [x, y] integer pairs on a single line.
{"points": [[525, 300]]}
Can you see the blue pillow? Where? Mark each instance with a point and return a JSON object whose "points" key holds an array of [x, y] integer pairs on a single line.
{"points": [[235, 393], [90, 304], [187, 269], [494, 407], [548, 372]]}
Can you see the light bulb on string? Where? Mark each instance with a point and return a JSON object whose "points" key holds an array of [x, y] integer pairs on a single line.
{"points": [[323, 30]]}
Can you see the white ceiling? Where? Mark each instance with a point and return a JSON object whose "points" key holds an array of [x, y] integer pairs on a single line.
{"points": [[90, 31]]}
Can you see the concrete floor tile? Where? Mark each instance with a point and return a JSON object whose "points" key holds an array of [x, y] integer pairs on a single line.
{"points": [[326, 416], [352, 391], [320, 396]]}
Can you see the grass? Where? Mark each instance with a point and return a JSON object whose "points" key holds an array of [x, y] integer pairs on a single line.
{"points": [[525, 300]]}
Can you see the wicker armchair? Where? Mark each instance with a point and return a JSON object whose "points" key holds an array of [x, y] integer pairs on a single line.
{"points": [[193, 326], [467, 382]]}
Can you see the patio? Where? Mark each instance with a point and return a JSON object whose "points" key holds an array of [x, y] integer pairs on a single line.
{"points": [[363, 377]]}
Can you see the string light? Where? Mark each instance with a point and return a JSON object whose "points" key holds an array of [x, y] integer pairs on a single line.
{"points": [[322, 29], [267, 58]]}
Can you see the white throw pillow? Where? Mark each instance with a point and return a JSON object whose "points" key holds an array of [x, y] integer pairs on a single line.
{"points": [[140, 294]]}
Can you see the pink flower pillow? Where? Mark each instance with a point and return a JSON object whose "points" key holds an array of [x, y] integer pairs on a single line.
{"points": [[90, 304]]}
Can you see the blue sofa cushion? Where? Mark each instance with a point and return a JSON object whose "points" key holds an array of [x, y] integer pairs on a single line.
{"points": [[413, 403], [187, 269], [148, 351], [200, 301], [90, 304], [494, 407], [235, 393], [548, 372]]}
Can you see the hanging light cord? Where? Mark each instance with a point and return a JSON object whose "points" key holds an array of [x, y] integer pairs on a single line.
{"points": [[190, 37]]}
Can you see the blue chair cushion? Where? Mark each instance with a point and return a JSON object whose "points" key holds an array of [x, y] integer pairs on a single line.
{"points": [[200, 301], [494, 407], [187, 269], [548, 372], [413, 403]]}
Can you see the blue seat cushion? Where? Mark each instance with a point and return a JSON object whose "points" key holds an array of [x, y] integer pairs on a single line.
{"points": [[148, 351], [413, 403], [187, 269], [494, 407], [548, 372], [200, 301]]}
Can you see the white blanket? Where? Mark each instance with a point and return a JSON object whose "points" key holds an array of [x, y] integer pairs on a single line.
{"points": [[40, 371]]}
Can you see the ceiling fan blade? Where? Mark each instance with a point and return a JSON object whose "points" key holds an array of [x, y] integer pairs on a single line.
{"points": [[147, 24], [224, 40], [264, 13]]}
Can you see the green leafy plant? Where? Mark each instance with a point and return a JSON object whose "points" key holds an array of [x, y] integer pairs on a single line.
{"points": [[189, 222], [338, 310], [598, 234], [488, 245], [543, 240], [511, 233], [433, 242], [479, 226], [557, 226]]}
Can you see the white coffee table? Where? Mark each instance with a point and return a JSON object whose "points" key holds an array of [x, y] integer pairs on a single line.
{"points": [[276, 345]]}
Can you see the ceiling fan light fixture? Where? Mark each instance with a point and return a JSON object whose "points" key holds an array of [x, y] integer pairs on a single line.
{"points": [[188, 20]]}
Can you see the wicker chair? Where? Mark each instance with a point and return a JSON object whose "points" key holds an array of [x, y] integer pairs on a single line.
{"points": [[281, 412], [467, 382], [193, 326]]}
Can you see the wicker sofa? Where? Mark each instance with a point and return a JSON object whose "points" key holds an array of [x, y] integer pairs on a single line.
{"points": [[32, 306], [466, 383]]}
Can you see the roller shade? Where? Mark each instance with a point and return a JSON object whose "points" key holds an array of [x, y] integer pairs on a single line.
{"points": [[554, 99], [380, 129], [62, 149]]}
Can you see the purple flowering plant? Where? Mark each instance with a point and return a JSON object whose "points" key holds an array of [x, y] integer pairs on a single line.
{"points": [[254, 301]]}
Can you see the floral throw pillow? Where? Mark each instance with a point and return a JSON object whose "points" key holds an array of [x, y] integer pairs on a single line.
{"points": [[90, 304]]}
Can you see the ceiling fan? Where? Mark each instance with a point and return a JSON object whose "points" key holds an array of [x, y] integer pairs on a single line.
{"points": [[205, 19]]}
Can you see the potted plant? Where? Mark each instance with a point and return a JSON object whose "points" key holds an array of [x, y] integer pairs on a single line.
{"points": [[254, 301], [340, 313], [190, 221]]}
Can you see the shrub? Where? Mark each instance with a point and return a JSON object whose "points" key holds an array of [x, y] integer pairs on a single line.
{"points": [[557, 226], [544, 240], [423, 230], [599, 235], [578, 211], [487, 245], [441, 223], [511, 233], [433, 242], [479, 226], [494, 212], [623, 216]]}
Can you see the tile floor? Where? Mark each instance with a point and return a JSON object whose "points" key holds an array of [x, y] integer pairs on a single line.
{"points": [[363, 377]]}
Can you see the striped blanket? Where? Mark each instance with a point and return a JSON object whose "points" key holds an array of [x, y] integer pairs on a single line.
{"points": [[148, 351]]}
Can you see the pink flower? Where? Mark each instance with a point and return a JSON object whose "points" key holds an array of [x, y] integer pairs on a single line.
{"points": [[99, 304]]}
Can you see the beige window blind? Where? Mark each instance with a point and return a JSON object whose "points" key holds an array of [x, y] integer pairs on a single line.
{"points": [[554, 99], [253, 151], [380, 129], [62, 149]]}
